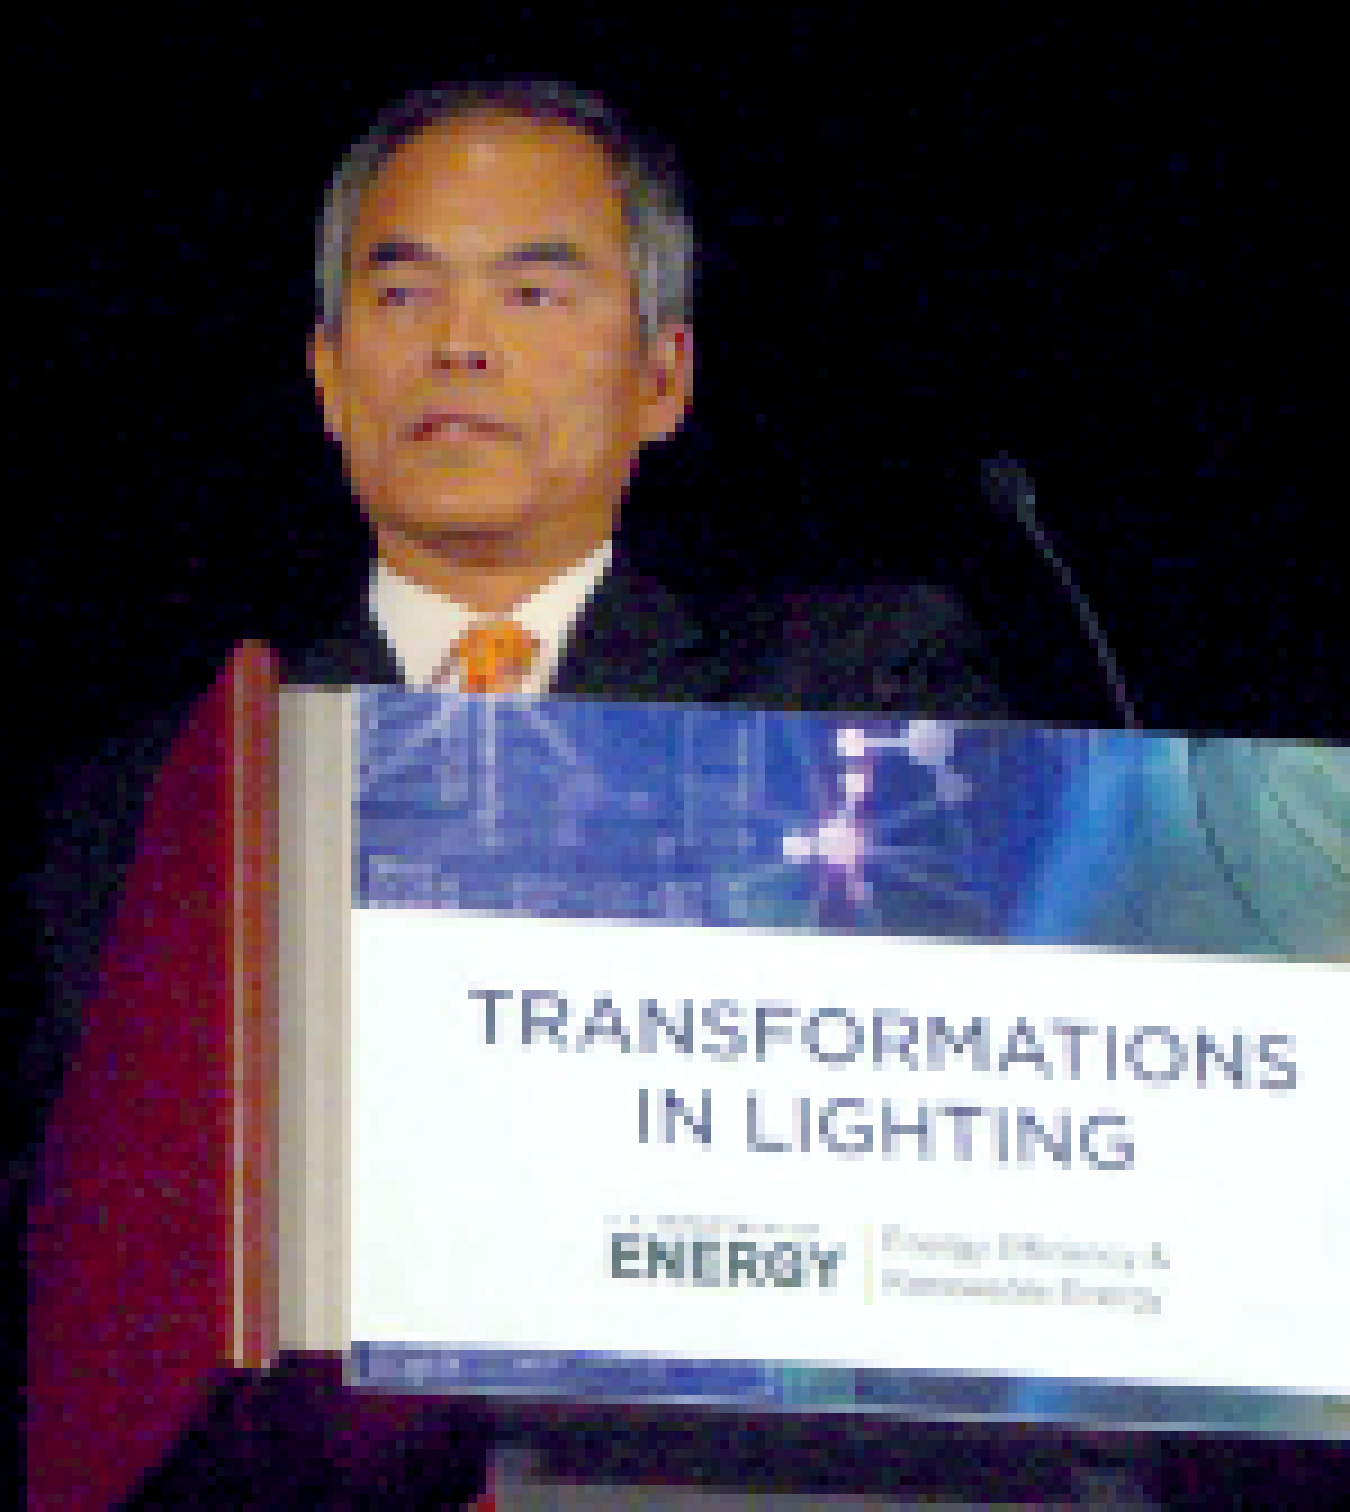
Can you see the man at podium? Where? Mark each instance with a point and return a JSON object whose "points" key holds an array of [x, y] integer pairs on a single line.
{"points": [[504, 287]]}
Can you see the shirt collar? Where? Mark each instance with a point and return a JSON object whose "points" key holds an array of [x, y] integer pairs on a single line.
{"points": [[421, 626]]}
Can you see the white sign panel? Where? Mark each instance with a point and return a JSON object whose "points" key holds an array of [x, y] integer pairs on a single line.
{"points": [[862, 1151]]}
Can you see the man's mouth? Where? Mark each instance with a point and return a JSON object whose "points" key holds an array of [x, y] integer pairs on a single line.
{"points": [[452, 424]]}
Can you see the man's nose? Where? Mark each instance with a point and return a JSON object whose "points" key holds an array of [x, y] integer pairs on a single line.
{"points": [[462, 336], [459, 355]]}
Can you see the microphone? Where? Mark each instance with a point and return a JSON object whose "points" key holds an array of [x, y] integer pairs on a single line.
{"points": [[1009, 489]]}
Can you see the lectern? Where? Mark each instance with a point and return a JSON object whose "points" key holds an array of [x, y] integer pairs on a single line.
{"points": [[1119, 959]]}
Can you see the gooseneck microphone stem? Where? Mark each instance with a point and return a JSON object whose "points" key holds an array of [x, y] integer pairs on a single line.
{"points": [[1009, 487]]}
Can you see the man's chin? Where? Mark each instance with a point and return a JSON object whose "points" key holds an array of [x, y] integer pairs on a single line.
{"points": [[485, 535], [461, 515]]}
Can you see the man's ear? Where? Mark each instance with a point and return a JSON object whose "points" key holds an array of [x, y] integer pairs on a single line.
{"points": [[322, 362], [668, 381]]}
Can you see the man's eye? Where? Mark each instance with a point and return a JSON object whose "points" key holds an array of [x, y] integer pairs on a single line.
{"points": [[535, 294], [398, 296]]}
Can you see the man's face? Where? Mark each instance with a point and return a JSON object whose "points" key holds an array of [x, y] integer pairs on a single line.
{"points": [[489, 275]]}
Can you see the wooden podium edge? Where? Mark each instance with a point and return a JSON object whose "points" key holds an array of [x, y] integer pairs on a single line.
{"points": [[255, 683]]}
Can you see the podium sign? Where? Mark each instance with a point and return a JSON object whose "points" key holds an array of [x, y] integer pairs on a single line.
{"points": [[866, 1065]]}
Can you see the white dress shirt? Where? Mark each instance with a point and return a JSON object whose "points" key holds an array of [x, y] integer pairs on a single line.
{"points": [[422, 627]]}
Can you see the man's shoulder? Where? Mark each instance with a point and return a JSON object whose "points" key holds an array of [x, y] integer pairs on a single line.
{"points": [[910, 648], [348, 647]]}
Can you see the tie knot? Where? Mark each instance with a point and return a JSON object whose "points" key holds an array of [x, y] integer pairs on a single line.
{"points": [[492, 656]]}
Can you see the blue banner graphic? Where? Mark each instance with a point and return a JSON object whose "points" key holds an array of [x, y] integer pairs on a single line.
{"points": [[720, 817]]}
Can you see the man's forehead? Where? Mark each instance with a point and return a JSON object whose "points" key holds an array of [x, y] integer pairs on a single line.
{"points": [[492, 164]]}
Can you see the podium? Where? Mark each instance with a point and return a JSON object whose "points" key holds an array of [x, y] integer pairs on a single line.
{"points": [[159, 1244]]}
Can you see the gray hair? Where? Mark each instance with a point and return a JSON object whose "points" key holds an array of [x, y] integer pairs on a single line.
{"points": [[660, 235]]}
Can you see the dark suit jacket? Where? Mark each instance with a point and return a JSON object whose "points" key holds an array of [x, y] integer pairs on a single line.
{"points": [[879, 648], [295, 1437]]}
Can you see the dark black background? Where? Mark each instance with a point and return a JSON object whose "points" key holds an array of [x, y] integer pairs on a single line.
{"points": [[1101, 244], [1104, 247]]}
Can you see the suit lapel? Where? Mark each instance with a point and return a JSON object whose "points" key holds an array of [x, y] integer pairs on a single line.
{"points": [[635, 642]]}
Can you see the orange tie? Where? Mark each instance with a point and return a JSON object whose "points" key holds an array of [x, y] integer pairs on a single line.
{"points": [[492, 656]]}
